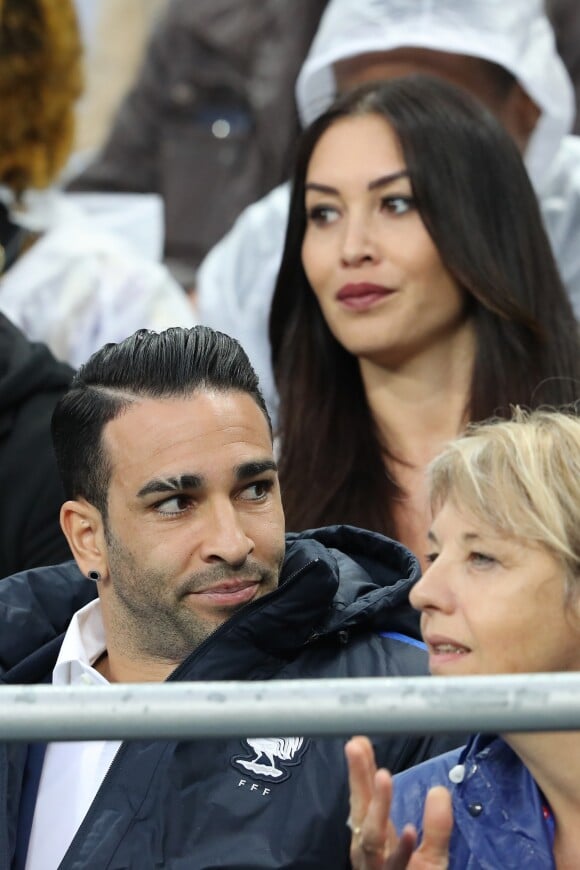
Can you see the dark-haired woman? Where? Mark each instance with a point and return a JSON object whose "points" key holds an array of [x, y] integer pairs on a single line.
{"points": [[417, 292]]}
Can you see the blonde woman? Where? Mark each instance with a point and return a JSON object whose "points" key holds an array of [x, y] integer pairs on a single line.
{"points": [[501, 595]]}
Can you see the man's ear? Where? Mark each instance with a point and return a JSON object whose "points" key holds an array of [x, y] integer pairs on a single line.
{"points": [[84, 529]]}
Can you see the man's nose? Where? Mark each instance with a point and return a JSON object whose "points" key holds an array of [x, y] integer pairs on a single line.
{"points": [[224, 538]]}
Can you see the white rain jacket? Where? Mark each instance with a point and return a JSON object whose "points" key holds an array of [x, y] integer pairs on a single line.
{"points": [[92, 276], [236, 279]]}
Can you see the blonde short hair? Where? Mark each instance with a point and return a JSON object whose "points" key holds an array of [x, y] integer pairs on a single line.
{"points": [[522, 478], [40, 80]]}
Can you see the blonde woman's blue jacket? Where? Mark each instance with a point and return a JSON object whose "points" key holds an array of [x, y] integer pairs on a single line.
{"points": [[497, 807]]}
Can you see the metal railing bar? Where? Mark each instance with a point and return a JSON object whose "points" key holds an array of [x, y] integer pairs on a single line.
{"points": [[334, 707]]}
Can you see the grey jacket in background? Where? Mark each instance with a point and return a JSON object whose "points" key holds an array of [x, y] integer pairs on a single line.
{"points": [[211, 121], [565, 18]]}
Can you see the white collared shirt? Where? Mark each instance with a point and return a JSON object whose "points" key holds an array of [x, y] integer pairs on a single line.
{"points": [[72, 772]]}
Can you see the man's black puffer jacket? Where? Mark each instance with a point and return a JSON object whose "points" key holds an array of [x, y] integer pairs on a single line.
{"points": [[341, 610]]}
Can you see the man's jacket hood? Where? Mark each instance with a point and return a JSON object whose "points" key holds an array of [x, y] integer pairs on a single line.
{"points": [[373, 576], [362, 582], [516, 35]]}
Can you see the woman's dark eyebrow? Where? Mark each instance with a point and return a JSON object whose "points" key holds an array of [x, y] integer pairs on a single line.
{"points": [[387, 179], [377, 182], [321, 188]]}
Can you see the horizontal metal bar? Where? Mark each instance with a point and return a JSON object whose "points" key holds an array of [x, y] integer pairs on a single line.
{"points": [[418, 705]]}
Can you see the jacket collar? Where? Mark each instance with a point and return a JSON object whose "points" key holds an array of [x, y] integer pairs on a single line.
{"points": [[323, 591], [333, 579], [499, 795]]}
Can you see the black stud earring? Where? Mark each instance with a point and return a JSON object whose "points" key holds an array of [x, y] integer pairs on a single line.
{"points": [[94, 575]]}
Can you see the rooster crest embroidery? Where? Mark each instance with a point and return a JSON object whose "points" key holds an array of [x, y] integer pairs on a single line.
{"points": [[271, 756]]}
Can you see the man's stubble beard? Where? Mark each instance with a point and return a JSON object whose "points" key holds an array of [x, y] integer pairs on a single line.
{"points": [[148, 624]]}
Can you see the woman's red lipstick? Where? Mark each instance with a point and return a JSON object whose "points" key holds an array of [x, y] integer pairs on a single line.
{"points": [[362, 295]]}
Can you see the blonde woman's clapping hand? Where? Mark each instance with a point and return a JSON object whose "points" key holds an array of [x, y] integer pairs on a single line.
{"points": [[375, 844]]}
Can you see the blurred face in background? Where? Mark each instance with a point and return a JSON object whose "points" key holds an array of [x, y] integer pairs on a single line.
{"points": [[490, 84]]}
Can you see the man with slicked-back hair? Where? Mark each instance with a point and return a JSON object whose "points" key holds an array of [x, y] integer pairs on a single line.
{"points": [[183, 572]]}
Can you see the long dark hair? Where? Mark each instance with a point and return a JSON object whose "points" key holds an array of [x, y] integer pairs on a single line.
{"points": [[477, 203]]}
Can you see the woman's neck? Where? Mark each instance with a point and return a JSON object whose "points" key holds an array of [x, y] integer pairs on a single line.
{"points": [[553, 760], [422, 404], [419, 407]]}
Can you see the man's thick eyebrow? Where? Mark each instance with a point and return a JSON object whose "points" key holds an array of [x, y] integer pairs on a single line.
{"points": [[197, 481], [253, 469], [372, 185], [171, 484]]}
